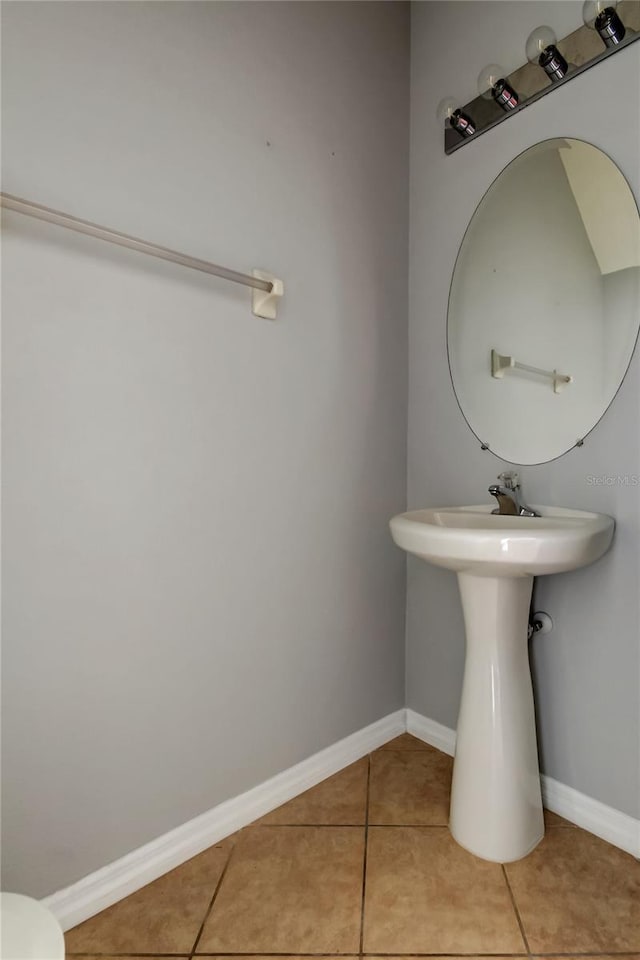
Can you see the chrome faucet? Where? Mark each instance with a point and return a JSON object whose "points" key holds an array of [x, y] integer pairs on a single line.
{"points": [[508, 496]]}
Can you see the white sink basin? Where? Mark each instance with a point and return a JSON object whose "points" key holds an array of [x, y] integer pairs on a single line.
{"points": [[475, 540], [496, 804]]}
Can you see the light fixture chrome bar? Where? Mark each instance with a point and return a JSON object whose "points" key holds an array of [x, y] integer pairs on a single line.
{"points": [[36, 210], [500, 362]]}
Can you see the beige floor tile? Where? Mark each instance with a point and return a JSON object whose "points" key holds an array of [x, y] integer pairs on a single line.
{"points": [[553, 820], [578, 894], [425, 894], [163, 917], [339, 799], [120, 956], [290, 890], [410, 787], [405, 742]]}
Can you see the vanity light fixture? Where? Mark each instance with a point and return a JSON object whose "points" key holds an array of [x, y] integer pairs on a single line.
{"points": [[449, 112], [492, 83], [547, 70], [601, 16], [541, 49]]}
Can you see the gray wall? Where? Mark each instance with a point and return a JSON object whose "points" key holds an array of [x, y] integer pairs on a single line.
{"points": [[587, 671], [200, 587]]}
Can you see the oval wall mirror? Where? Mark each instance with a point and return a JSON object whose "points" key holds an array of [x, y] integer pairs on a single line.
{"points": [[544, 306]]}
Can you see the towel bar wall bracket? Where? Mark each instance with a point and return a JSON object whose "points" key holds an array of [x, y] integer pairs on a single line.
{"points": [[501, 362], [264, 303], [267, 289]]}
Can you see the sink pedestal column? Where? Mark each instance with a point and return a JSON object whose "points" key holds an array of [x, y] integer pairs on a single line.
{"points": [[496, 803]]}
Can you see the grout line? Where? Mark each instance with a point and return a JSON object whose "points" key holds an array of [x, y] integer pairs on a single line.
{"points": [[364, 862], [275, 826], [213, 899], [515, 907], [183, 956], [422, 826], [426, 826]]}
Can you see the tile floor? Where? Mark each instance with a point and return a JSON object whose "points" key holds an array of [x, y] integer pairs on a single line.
{"points": [[364, 864]]}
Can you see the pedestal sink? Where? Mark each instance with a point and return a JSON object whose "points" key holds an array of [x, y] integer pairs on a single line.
{"points": [[496, 805]]}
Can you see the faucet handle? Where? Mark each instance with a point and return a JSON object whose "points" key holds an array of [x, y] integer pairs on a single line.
{"points": [[510, 479]]}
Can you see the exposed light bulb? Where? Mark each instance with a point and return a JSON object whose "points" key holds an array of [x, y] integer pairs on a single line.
{"points": [[541, 49], [492, 83], [448, 112], [537, 41], [601, 16], [445, 108], [592, 8]]}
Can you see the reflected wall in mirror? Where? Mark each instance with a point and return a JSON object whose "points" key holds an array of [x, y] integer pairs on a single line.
{"points": [[547, 277]]}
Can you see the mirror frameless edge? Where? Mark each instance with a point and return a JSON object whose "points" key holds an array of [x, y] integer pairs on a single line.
{"points": [[548, 279]]}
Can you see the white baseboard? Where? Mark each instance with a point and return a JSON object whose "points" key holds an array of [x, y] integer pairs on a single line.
{"points": [[605, 822], [611, 825], [124, 876], [431, 732]]}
